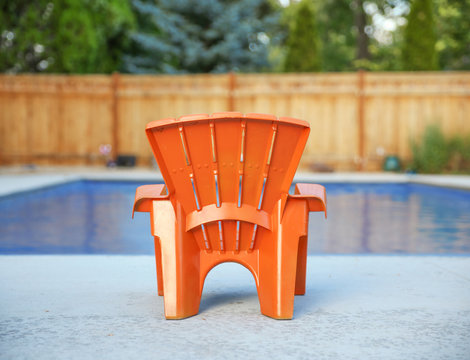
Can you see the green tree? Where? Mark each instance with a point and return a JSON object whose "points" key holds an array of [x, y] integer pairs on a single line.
{"points": [[453, 25], [343, 28], [303, 53], [384, 42], [25, 33], [419, 48], [363, 53], [91, 36], [76, 43], [64, 36], [212, 36], [114, 20], [150, 51], [337, 34]]}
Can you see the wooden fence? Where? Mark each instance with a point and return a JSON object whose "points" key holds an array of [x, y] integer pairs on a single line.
{"points": [[355, 118]]}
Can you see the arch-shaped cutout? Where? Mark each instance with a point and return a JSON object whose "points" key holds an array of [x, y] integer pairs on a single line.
{"points": [[228, 275], [235, 260]]}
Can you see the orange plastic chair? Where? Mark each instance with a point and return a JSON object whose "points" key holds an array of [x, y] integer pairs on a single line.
{"points": [[225, 198]]}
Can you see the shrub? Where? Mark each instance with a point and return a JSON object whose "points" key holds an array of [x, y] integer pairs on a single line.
{"points": [[459, 147], [431, 155], [436, 154]]}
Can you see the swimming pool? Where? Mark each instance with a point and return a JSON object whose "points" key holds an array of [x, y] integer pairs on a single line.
{"points": [[94, 217]]}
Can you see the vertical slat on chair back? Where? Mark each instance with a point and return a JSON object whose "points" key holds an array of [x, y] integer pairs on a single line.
{"points": [[244, 160]]}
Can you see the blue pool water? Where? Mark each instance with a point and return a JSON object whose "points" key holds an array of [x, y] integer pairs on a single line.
{"points": [[93, 217]]}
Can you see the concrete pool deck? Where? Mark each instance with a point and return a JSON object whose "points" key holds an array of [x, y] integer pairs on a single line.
{"points": [[356, 307]]}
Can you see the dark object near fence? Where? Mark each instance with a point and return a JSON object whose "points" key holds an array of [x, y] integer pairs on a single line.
{"points": [[126, 160]]}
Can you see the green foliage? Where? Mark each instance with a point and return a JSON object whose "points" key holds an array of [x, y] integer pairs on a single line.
{"points": [[340, 23], [453, 25], [64, 36], [76, 40], [338, 35], [419, 48], [171, 36], [436, 154], [91, 36], [115, 21], [385, 56], [25, 30], [431, 155], [213, 37], [459, 148], [302, 45]]}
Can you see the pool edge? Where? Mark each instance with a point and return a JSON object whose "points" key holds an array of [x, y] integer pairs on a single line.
{"points": [[21, 183]]}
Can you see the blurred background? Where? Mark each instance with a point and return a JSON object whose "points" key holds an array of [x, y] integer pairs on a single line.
{"points": [[385, 84]]}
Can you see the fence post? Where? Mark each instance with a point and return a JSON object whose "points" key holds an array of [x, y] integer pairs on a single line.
{"points": [[360, 119], [114, 115], [59, 88], [231, 89]]}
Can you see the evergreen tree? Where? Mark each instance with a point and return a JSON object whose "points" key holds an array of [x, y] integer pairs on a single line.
{"points": [[419, 48], [91, 36], [302, 44], [150, 51], [212, 36], [76, 39]]}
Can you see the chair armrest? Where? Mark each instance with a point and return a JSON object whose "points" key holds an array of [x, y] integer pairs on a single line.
{"points": [[314, 194], [145, 194]]}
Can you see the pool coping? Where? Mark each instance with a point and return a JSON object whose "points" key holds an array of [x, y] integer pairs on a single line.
{"points": [[18, 182]]}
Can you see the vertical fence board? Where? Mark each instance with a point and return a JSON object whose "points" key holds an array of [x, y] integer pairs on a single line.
{"points": [[63, 119]]}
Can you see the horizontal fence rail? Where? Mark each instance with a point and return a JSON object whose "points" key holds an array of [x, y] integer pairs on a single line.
{"points": [[356, 118]]}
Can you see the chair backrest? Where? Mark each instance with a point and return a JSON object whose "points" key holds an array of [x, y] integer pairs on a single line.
{"points": [[227, 162]]}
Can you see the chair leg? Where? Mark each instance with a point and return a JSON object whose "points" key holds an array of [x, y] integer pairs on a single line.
{"points": [[282, 261], [180, 262], [158, 261], [277, 283], [301, 277]]}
